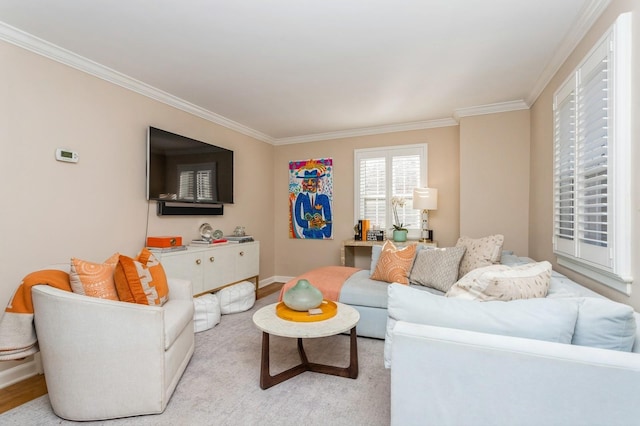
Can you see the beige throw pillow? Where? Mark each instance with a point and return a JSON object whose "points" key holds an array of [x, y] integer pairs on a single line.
{"points": [[437, 268], [479, 252], [501, 282]]}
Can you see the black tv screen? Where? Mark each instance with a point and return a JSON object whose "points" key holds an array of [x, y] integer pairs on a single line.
{"points": [[186, 170]]}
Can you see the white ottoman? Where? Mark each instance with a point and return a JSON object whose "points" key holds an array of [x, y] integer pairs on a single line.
{"points": [[237, 298], [207, 312]]}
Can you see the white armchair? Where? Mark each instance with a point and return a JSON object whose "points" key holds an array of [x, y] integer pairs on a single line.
{"points": [[105, 359]]}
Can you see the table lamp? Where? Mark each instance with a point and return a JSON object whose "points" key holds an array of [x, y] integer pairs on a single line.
{"points": [[425, 199]]}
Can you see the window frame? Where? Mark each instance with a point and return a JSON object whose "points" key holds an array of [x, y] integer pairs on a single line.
{"points": [[388, 152], [608, 264]]}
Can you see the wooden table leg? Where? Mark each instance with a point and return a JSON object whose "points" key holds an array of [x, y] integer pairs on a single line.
{"points": [[267, 380], [353, 364], [351, 371]]}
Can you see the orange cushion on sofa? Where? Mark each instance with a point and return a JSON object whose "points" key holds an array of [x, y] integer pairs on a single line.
{"points": [[141, 280], [394, 264], [94, 279]]}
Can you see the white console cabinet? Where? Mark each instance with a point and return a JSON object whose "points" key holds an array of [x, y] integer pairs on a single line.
{"points": [[212, 268]]}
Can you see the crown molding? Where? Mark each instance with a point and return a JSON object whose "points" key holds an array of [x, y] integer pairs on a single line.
{"points": [[588, 16], [367, 131], [66, 57], [590, 13], [490, 109]]}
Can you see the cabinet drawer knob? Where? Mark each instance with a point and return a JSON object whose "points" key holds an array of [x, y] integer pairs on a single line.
{"points": [[211, 259], [198, 261], [241, 253]]}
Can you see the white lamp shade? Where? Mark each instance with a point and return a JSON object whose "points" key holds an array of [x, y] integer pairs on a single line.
{"points": [[425, 198]]}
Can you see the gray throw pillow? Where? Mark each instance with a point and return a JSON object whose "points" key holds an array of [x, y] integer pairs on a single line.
{"points": [[437, 268]]}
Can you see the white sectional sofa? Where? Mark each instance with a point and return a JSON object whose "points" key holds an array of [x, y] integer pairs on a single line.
{"points": [[510, 363]]}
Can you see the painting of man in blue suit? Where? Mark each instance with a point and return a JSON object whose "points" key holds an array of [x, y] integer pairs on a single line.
{"points": [[310, 199]]}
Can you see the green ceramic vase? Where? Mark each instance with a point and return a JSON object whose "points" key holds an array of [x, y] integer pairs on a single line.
{"points": [[302, 296]]}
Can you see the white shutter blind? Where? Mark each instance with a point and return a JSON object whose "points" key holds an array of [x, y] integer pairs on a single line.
{"points": [[564, 168], [593, 160], [203, 185], [373, 198], [185, 185], [406, 176], [196, 182], [384, 173], [592, 163]]}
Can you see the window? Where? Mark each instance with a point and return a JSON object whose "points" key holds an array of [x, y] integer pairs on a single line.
{"points": [[591, 163], [383, 173], [196, 182]]}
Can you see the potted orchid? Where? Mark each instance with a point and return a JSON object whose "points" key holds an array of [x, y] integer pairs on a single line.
{"points": [[399, 231]]}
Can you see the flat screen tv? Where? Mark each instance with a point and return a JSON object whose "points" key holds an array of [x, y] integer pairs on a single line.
{"points": [[181, 169]]}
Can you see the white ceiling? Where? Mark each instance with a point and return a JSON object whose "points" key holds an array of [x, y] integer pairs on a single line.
{"points": [[297, 70]]}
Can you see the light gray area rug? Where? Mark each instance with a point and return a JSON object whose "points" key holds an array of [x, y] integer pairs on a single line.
{"points": [[221, 384]]}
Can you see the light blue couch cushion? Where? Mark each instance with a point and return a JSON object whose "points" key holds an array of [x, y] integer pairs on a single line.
{"points": [[603, 323], [552, 320], [360, 290]]}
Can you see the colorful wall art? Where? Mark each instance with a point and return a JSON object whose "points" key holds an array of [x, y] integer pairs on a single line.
{"points": [[311, 199]]}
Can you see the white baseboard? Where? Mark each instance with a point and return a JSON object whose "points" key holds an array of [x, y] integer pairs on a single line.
{"points": [[274, 279], [21, 371], [282, 279]]}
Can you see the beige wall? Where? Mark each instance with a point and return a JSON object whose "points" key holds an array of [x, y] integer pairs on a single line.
{"points": [[52, 210], [541, 199], [297, 256], [494, 177]]}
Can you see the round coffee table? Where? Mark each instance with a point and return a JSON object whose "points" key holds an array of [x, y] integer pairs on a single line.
{"points": [[267, 321]]}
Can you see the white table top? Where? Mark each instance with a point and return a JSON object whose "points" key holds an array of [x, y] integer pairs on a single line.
{"points": [[267, 320]]}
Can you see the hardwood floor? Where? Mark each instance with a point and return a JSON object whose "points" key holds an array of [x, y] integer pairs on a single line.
{"points": [[21, 392], [34, 387]]}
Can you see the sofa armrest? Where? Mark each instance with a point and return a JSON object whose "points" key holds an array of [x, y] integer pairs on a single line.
{"points": [[179, 289], [448, 376]]}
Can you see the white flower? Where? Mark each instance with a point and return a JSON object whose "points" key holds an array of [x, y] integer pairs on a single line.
{"points": [[395, 202]]}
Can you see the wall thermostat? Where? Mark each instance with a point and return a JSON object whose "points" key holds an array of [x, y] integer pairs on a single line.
{"points": [[66, 155]]}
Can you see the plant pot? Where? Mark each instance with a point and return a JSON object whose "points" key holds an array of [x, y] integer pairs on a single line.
{"points": [[400, 235]]}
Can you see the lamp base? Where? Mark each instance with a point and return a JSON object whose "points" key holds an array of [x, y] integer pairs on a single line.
{"points": [[426, 236]]}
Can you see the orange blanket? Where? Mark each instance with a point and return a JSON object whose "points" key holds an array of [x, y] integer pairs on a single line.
{"points": [[17, 334], [328, 279]]}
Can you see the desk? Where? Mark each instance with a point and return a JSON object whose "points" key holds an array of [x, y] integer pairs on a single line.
{"points": [[348, 248]]}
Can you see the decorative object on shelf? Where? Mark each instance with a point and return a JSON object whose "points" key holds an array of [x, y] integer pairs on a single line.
{"points": [[164, 241], [239, 231], [399, 231], [425, 199], [375, 235], [302, 296], [206, 232], [311, 199]]}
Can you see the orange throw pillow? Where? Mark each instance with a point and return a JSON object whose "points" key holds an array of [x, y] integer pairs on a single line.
{"points": [[394, 264], [94, 279], [141, 280]]}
